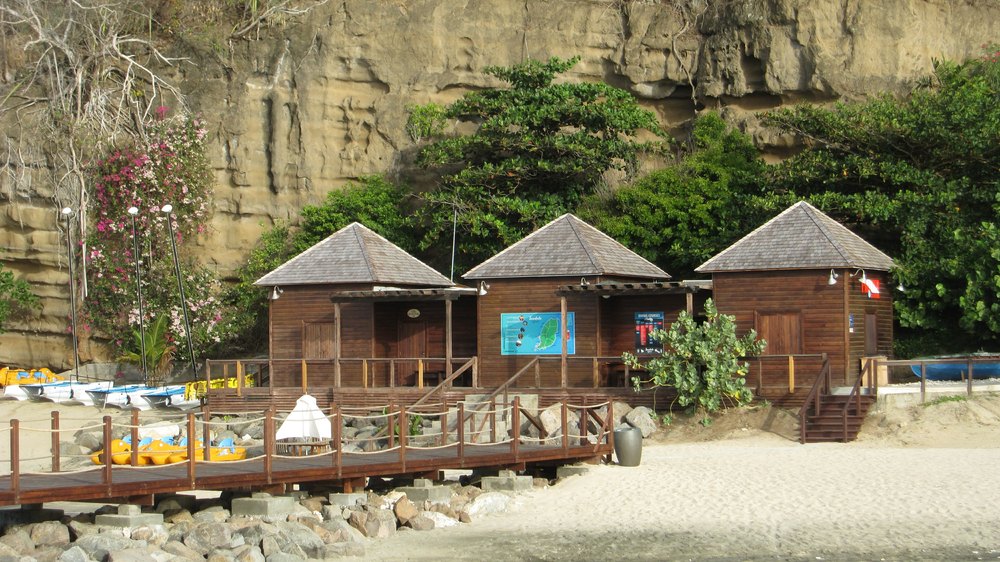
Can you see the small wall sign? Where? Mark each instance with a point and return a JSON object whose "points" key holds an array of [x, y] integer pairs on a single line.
{"points": [[413, 313]]}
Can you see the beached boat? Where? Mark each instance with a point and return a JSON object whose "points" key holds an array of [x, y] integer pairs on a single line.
{"points": [[987, 366], [63, 391], [125, 396], [171, 397], [165, 451]]}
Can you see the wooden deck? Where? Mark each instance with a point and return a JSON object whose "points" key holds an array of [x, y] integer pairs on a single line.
{"points": [[455, 448]]}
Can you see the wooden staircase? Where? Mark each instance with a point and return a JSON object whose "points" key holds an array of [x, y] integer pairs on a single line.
{"points": [[825, 416], [837, 418]]}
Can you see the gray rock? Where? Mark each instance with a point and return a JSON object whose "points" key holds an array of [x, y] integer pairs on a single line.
{"points": [[343, 549], [136, 554], [100, 545], [270, 546], [221, 556], [177, 502], [49, 533], [18, 540], [296, 534], [441, 520], [74, 554], [206, 537], [247, 553], [420, 522], [344, 531], [618, 412], [7, 550], [80, 528], [404, 510], [312, 504], [487, 503], [284, 557], [46, 554], [178, 531], [642, 419], [178, 516], [90, 441], [253, 530], [152, 534], [181, 550], [215, 514]]}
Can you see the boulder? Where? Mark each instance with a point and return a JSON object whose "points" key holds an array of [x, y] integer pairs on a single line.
{"points": [[152, 534], [181, 550], [221, 556], [487, 503], [206, 537], [138, 554], [440, 520], [247, 553], [420, 522], [19, 540], [344, 531], [296, 534], [641, 418], [99, 546], [253, 531], [71, 554], [404, 510], [271, 548], [49, 533]]}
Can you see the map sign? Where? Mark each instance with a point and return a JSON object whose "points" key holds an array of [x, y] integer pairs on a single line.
{"points": [[535, 333]]}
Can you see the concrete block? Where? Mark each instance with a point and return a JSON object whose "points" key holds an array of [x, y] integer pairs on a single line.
{"points": [[349, 500], [129, 516], [508, 481], [567, 471], [425, 490], [264, 506]]}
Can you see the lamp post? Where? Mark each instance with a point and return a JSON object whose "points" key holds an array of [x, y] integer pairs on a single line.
{"points": [[180, 287], [68, 213], [133, 211]]}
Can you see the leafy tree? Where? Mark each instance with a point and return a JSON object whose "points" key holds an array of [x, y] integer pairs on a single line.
{"points": [[919, 179], [159, 350], [538, 147], [15, 296], [680, 216], [701, 361]]}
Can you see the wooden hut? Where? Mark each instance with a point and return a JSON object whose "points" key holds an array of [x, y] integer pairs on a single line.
{"points": [[809, 286], [355, 310], [558, 308]]}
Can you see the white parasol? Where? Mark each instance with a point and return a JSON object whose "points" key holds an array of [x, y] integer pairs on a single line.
{"points": [[306, 420]]}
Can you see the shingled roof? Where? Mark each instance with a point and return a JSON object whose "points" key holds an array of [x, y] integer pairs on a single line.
{"points": [[801, 237], [354, 254], [566, 247]]}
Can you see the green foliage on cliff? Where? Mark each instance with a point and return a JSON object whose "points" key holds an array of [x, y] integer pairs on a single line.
{"points": [[681, 215], [15, 296], [702, 361], [919, 179], [538, 146]]}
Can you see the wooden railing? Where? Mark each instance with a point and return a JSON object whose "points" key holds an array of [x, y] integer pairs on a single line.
{"points": [[819, 388], [789, 359], [969, 362], [196, 427]]}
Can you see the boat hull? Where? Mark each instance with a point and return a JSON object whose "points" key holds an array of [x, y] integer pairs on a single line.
{"points": [[957, 371]]}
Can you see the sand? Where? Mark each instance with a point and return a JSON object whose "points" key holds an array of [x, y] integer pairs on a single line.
{"points": [[919, 484]]}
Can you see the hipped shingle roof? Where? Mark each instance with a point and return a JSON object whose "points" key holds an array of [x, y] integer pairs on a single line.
{"points": [[801, 237], [354, 254], [566, 247]]}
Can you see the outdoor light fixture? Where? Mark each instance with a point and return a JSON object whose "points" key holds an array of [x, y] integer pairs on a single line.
{"points": [[180, 286], [276, 293], [900, 287], [833, 278], [584, 282], [863, 278], [483, 287], [133, 211], [68, 213]]}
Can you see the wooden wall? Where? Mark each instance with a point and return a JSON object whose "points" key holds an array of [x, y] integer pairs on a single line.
{"points": [[767, 298], [618, 319]]}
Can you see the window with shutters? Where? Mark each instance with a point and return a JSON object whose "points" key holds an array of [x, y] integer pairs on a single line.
{"points": [[317, 341], [782, 330]]}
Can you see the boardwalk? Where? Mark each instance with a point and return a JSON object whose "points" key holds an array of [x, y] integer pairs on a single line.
{"points": [[454, 449]]}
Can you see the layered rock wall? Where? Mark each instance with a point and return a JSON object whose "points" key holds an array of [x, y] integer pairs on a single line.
{"points": [[323, 100]]}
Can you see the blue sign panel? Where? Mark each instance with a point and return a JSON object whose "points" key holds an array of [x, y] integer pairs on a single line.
{"points": [[536, 333]]}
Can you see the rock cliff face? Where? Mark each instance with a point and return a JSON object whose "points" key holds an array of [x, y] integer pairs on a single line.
{"points": [[323, 100]]}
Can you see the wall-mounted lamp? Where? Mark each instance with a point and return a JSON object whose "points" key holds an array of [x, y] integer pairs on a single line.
{"points": [[584, 282], [483, 287], [276, 293], [833, 278], [863, 278], [900, 287]]}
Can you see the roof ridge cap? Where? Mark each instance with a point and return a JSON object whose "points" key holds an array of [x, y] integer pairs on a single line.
{"points": [[310, 249], [827, 233], [579, 238], [362, 243], [743, 238]]}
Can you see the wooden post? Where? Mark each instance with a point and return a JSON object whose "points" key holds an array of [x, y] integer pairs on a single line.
{"points": [[388, 421], [443, 418], [338, 440], [206, 434], [461, 433], [515, 429], [107, 451], [15, 454], [565, 426], [305, 378], [923, 382], [583, 422], [239, 379], [134, 434], [268, 442], [791, 374], [475, 372], [969, 381], [190, 449], [596, 373], [55, 441], [403, 435], [420, 373], [447, 339], [392, 373], [336, 344], [689, 302], [493, 420], [563, 335], [364, 373], [538, 373]]}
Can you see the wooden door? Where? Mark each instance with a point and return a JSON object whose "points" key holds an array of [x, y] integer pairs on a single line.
{"points": [[871, 334], [412, 343], [782, 330]]}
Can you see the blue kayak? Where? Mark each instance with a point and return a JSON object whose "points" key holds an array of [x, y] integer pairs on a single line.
{"points": [[957, 371]]}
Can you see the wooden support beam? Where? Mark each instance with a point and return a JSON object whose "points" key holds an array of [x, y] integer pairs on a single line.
{"points": [[55, 440], [447, 339], [563, 335], [791, 374], [336, 344]]}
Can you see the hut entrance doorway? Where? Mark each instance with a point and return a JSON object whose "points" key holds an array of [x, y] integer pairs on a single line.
{"points": [[412, 343]]}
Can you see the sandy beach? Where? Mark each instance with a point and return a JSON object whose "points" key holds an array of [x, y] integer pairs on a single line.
{"points": [[917, 485]]}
